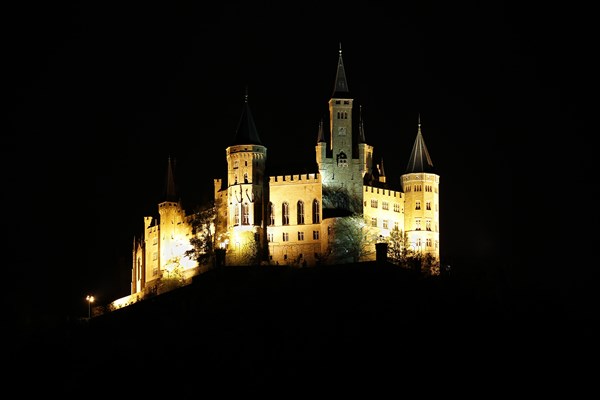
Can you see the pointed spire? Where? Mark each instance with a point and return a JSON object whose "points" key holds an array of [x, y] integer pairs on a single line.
{"points": [[321, 134], [419, 160], [341, 84], [361, 127], [170, 187], [246, 132], [381, 170]]}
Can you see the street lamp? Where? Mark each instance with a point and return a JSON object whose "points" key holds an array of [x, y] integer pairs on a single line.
{"points": [[90, 300]]}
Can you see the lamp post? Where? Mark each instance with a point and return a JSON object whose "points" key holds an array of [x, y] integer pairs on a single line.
{"points": [[90, 300]]}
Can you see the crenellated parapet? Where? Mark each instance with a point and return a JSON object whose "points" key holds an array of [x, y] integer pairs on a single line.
{"points": [[294, 179], [384, 192]]}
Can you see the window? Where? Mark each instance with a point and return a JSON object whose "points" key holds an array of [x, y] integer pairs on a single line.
{"points": [[428, 242], [374, 203], [270, 237], [245, 214], [385, 224], [428, 225], [300, 235], [271, 214], [285, 215], [385, 205], [236, 164], [245, 177], [315, 235], [316, 211], [373, 221], [396, 207], [428, 205], [342, 159], [286, 237], [396, 227], [300, 212], [417, 224], [236, 220], [417, 205]]}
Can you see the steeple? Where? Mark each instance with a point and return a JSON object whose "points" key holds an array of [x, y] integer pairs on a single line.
{"points": [[170, 188], [419, 160], [341, 84], [361, 127], [246, 132], [321, 134]]}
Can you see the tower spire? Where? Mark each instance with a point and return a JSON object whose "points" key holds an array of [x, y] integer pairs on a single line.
{"points": [[321, 134], [246, 132], [361, 127], [419, 160], [170, 188], [341, 84]]}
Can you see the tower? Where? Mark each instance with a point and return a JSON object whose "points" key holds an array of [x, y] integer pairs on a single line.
{"points": [[420, 184], [340, 165], [246, 193]]}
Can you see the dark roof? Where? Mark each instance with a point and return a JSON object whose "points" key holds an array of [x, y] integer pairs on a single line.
{"points": [[170, 193], [246, 132], [340, 89], [419, 160]]}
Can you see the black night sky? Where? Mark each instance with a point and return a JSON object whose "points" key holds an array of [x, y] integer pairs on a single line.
{"points": [[103, 93]]}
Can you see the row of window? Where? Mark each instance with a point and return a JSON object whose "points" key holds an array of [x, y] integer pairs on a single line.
{"points": [[286, 236], [428, 243], [300, 220], [384, 205], [418, 188]]}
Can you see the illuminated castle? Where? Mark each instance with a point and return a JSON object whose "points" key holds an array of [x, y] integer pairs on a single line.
{"points": [[291, 219]]}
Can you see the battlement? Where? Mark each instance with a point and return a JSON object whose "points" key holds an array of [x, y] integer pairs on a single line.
{"points": [[382, 191], [296, 178]]}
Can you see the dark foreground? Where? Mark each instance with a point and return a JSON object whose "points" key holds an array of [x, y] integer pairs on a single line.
{"points": [[370, 329]]}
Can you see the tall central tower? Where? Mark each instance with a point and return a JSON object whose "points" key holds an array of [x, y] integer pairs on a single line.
{"points": [[341, 163]]}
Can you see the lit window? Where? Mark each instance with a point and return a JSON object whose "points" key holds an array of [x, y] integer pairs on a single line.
{"points": [[316, 235], [285, 217], [300, 235], [286, 236], [300, 212], [316, 212], [245, 214], [271, 214]]}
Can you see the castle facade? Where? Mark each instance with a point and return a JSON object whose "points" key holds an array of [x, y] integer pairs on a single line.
{"points": [[292, 219]]}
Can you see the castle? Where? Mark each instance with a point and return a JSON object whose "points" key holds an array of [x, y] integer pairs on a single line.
{"points": [[292, 219]]}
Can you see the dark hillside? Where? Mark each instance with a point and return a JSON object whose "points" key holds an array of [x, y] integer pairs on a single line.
{"points": [[268, 329]]}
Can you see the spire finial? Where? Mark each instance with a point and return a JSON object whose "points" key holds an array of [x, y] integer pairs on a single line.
{"points": [[246, 95], [340, 48]]}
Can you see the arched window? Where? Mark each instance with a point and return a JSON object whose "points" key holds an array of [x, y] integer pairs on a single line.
{"points": [[300, 212], [285, 214], [245, 214], [271, 214], [236, 217], [316, 212]]}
